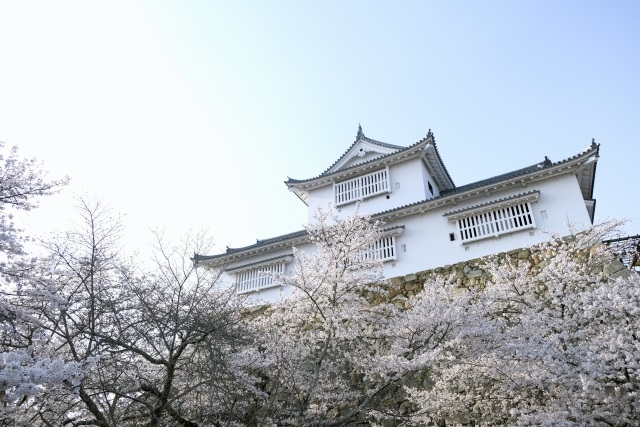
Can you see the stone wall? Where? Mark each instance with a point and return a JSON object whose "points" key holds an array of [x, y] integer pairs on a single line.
{"points": [[467, 274]]}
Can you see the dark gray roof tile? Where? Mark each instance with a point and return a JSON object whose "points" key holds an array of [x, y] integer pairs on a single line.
{"points": [[491, 203], [493, 180], [261, 262], [359, 136], [497, 178], [326, 172], [259, 243]]}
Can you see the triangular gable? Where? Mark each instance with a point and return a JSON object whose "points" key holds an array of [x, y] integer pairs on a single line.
{"points": [[362, 150], [350, 163]]}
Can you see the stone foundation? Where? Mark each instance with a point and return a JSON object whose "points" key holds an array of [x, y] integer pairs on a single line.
{"points": [[469, 274]]}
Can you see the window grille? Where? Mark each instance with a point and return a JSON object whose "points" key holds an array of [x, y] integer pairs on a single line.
{"points": [[496, 222], [362, 187], [258, 278], [383, 249]]}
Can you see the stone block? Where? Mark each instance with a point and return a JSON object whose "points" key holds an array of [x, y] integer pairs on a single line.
{"points": [[524, 254], [472, 274], [615, 269], [394, 292], [457, 275], [396, 281], [411, 286], [399, 297]]}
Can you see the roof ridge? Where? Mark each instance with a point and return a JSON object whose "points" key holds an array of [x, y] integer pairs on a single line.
{"points": [[361, 136], [506, 175], [259, 243], [400, 148], [492, 202], [498, 178], [435, 146]]}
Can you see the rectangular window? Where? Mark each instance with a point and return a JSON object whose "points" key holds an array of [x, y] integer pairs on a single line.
{"points": [[383, 249], [257, 278], [362, 187], [496, 222]]}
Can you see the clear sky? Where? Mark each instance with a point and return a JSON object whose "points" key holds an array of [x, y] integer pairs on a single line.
{"points": [[191, 114]]}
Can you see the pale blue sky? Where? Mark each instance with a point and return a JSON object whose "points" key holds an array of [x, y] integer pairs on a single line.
{"points": [[193, 113]]}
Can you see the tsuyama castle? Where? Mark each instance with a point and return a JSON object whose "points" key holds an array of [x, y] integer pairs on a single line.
{"points": [[429, 221]]}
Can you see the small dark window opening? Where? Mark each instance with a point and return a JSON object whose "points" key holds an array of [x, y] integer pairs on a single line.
{"points": [[388, 197], [452, 236], [430, 187]]}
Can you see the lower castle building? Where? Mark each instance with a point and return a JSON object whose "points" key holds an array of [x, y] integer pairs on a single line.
{"points": [[429, 221]]}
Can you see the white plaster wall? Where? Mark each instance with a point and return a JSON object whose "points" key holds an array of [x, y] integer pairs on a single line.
{"points": [[322, 198], [426, 236], [406, 183], [371, 151], [266, 295], [407, 186], [426, 178], [365, 158]]}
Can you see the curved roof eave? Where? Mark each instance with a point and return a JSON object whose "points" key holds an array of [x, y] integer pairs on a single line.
{"points": [[521, 176], [361, 137], [433, 158], [322, 179], [260, 246], [528, 174]]}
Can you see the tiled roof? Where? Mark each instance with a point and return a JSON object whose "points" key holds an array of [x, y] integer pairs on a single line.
{"points": [[400, 149], [360, 136], [262, 262], [492, 180], [546, 164], [259, 243], [435, 146], [508, 199], [279, 239]]}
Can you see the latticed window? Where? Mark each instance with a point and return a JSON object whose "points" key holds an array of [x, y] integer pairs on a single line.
{"points": [[496, 222], [383, 249], [257, 278], [362, 187]]}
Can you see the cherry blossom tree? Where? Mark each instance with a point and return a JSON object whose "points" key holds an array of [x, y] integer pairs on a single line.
{"points": [[327, 355], [549, 342], [27, 362], [152, 341], [89, 336], [310, 345], [554, 343]]}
